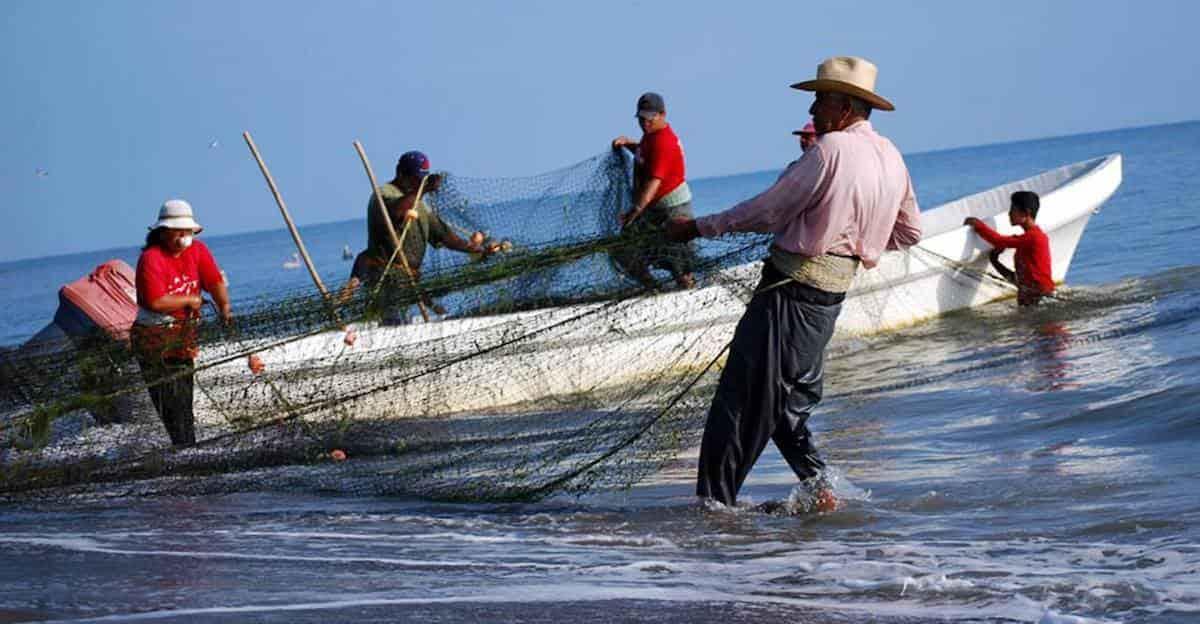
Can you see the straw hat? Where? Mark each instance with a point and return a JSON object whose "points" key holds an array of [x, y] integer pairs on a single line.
{"points": [[850, 75], [177, 215]]}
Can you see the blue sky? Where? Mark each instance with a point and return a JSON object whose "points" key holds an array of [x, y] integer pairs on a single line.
{"points": [[110, 107]]}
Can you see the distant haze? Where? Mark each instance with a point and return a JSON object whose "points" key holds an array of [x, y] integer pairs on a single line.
{"points": [[111, 107]]}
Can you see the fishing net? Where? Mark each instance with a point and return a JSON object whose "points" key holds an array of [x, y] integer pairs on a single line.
{"points": [[568, 360], [553, 365]]}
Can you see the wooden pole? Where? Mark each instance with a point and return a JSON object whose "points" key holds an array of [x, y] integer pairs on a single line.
{"points": [[312, 270], [397, 240]]}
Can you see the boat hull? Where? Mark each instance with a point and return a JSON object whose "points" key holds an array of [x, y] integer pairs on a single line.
{"points": [[491, 364]]}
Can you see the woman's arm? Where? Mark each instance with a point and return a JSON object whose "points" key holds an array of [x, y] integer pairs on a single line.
{"points": [[220, 295], [167, 304]]}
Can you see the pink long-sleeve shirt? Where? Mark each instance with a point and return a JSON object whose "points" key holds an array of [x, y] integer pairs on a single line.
{"points": [[850, 194]]}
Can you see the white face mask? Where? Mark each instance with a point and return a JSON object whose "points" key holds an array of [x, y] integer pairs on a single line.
{"points": [[185, 241]]}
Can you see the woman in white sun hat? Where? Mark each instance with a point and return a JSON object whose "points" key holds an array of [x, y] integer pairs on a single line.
{"points": [[172, 270]]}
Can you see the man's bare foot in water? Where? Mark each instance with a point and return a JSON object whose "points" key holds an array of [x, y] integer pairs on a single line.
{"points": [[825, 501]]}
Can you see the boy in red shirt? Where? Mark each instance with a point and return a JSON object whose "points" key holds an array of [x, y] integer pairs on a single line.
{"points": [[661, 194], [1033, 276]]}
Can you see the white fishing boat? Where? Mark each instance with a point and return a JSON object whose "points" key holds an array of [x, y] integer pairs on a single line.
{"points": [[486, 363]]}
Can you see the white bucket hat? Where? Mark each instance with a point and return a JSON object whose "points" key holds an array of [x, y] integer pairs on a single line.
{"points": [[177, 215], [850, 75]]}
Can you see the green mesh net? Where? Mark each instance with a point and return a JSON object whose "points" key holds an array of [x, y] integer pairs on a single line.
{"points": [[563, 362]]}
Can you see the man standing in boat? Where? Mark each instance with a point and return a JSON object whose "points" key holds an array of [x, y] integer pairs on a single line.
{"points": [[660, 194], [847, 200], [426, 228], [1031, 259]]}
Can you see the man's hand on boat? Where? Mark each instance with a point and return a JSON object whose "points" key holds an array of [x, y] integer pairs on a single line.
{"points": [[970, 221], [682, 230]]}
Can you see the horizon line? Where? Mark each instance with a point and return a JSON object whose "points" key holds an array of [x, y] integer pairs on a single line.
{"points": [[713, 177]]}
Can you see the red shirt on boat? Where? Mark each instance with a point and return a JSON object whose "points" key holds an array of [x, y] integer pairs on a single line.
{"points": [[660, 155], [1032, 261]]}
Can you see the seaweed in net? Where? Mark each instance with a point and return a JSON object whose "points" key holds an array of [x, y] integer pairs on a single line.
{"points": [[555, 371]]}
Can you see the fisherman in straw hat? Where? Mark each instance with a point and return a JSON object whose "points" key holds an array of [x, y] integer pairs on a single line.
{"points": [[847, 200], [172, 270]]}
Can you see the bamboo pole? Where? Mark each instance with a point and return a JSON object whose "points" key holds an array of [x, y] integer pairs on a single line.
{"points": [[308, 263], [287, 217], [397, 240]]}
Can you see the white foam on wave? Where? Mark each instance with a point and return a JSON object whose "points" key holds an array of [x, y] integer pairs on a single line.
{"points": [[940, 579], [1052, 617], [379, 537], [884, 576], [912, 580], [84, 544], [579, 539], [519, 594]]}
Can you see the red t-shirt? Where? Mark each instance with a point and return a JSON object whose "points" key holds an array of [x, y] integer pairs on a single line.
{"points": [[160, 274], [1032, 261], [660, 155]]}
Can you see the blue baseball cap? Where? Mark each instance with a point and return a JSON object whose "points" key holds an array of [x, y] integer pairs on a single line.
{"points": [[414, 164], [650, 104]]}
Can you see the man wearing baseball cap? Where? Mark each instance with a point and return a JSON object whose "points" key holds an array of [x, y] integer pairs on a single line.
{"points": [[846, 201], [808, 136], [427, 227], [660, 194]]}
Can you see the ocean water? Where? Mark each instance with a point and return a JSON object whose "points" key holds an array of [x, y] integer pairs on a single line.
{"points": [[994, 467]]}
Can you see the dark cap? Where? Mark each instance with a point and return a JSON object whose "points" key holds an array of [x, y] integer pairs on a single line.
{"points": [[649, 104], [414, 164]]}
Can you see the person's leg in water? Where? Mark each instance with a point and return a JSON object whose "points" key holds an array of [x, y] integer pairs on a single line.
{"points": [[740, 419], [771, 381], [803, 339], [792, 437]]}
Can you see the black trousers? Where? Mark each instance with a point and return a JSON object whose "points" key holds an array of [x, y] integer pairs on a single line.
{"points": [[771, 382], [170, 381]]}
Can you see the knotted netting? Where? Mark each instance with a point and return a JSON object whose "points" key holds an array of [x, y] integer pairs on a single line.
{"points": [[557, 366], [553, 368]]}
